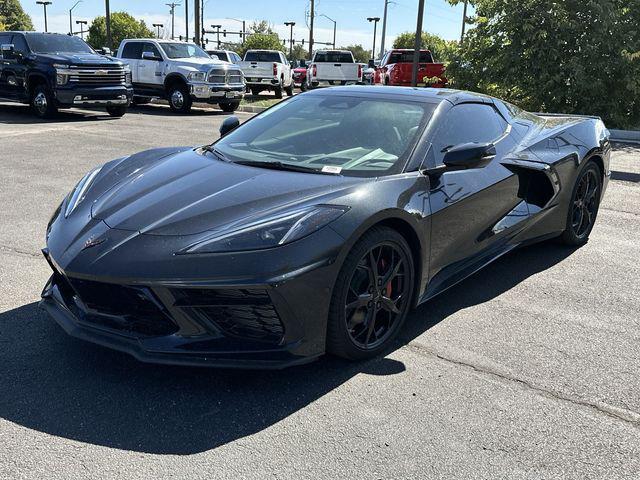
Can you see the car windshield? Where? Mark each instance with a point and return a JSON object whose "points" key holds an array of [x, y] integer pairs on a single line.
{"points": [[48, 43], [262, 57], [355, 136], [333, 57], [183, 50], [407, 57]]}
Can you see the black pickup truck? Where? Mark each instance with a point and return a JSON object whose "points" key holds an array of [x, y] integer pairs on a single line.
{"points": [[51, 71]]}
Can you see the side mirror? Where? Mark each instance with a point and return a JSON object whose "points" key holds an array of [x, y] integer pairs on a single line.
{"points": [[229, 124], [372, 63], [150, 56], [469, 155], [105, 51], [9, 51]]}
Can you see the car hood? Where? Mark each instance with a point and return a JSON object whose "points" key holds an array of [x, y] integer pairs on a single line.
{"points": [[79, 59], [184, 192], [200, 63]]}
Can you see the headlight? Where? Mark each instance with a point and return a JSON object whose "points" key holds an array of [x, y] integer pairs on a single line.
{"points": [[77, 194], [270, 232], [197, 76], [62, 75]]}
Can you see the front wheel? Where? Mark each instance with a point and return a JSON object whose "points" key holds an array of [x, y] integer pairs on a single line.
{"points": [[372, 295], [583, 206], [229, 106], [180, 99], [42, 102], [117, 111]]}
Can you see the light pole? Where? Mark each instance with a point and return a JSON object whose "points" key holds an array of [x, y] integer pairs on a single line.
{"points": [[173, 6], [158, 26], [312, 16], [244, 34], [375, 21], [290, 24], [108, 22], [464, 20], [71, 16], [44, 5], [186, 20], [81, 23], [334, 28], [384, 26], [217, 27], [417, 45]]}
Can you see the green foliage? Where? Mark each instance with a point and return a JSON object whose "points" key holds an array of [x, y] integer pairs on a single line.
{"points": [[441, 49], [12, 17], [261, 41], [359, 53], [568, 56], [123, 26], [299, 52], [261, 27]]}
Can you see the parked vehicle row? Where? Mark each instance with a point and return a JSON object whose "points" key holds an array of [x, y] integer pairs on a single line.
{"points": [[267, 70]]}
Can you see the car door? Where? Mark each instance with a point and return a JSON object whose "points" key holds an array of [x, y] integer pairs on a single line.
{"points": [[5, 39], [467, 206], [150, 71], [132, 54], [19, 65]]}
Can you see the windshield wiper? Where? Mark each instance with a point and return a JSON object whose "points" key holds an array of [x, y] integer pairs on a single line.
{"points": [[276, 165], [216, 152]]}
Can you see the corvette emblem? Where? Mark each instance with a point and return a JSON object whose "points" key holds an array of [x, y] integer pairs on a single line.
{"points": [[92, 242]]}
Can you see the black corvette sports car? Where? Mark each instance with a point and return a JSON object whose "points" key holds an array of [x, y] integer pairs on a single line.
{"points": [[315, 226]]}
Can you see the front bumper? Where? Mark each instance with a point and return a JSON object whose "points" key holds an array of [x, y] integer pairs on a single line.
{"points": [[263, 81], [215, 93], [93, 96]]}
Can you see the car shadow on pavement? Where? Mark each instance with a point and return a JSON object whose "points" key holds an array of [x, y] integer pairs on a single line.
{"points": [[162, 109], [54, 384], [14, 114]]}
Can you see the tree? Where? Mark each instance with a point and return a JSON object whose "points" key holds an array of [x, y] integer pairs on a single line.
{"points": [[571, 56], [299, 52], [359, 53], [441, 49], [13, 17], [123, 26]]}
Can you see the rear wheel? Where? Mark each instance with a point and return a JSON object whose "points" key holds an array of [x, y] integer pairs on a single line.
{"points": [[180, 98], [42, 102], [229, 106], [117, 111], [372, 295], [255, 91], [289, 90], [583, 206], [278, 91], [303, 86]]}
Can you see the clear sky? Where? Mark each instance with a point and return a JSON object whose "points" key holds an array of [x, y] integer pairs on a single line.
{"points": [[350, 15]]}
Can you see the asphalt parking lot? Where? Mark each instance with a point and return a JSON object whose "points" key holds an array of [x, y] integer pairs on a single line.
{"points": [[529, 369]]}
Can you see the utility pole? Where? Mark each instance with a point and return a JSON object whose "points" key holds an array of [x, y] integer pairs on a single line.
{"points": [[196, 15], [44, 5], [418, 44], [384, 27], [312, 15], [82, 23], [108, 22], [186, 20], [173, 6], [464, 20], [158, 26], [290, 24], [71, 16], [334, 28], [375, 21]]}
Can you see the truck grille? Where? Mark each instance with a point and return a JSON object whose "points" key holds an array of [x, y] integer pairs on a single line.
{"points": [[97, 75], [220, 76]]}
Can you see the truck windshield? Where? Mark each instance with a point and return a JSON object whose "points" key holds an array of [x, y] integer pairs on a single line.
{"points": [[262, 57], [407, 57], [333, 57], [349, 135], [183, 50], [50, 43]]}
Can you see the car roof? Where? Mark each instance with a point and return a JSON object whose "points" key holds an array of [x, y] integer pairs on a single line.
{"points": [[431, 95]]}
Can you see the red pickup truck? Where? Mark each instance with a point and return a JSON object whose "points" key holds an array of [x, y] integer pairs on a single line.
{"points": [[396, 68]]}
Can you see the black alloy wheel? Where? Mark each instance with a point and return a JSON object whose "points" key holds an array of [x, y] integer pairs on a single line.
{"points": [[373, 295], [584, 205]]}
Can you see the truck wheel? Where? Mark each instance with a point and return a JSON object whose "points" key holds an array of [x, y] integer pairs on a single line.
{"points": [[117, 111], [255, 91], [303, 86], [289, 90], [229, 106], [180, 98], [278, 91], [42, 102], [141, 100]]}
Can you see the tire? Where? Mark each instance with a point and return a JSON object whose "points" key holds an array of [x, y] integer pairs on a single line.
{"points": [[303, 86], [141, 100], [583, 205], [289, 90], [355, 300], [117, 111], [42, 102], [229, 107], [278, 91], [179, 98], [255, 91]]}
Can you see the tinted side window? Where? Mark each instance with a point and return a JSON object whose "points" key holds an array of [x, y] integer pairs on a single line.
{"points": [[132, 50], [467, 123], [150, 47], [5, 38], [20, 44]]}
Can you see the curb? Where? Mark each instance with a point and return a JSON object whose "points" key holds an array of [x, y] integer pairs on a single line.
{"points": [[625, 136], [250, 109]]}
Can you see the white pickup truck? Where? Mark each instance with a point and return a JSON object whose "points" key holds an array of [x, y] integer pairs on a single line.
{"points": [[333, 67], [267, 70], [181, 73]]}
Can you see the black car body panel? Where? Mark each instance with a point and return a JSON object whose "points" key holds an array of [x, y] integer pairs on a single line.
{"points": [[95, 80], [269, 307]]}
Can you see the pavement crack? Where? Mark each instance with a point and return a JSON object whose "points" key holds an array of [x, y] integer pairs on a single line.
{"points": [[17, 251], [628, 416]]}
